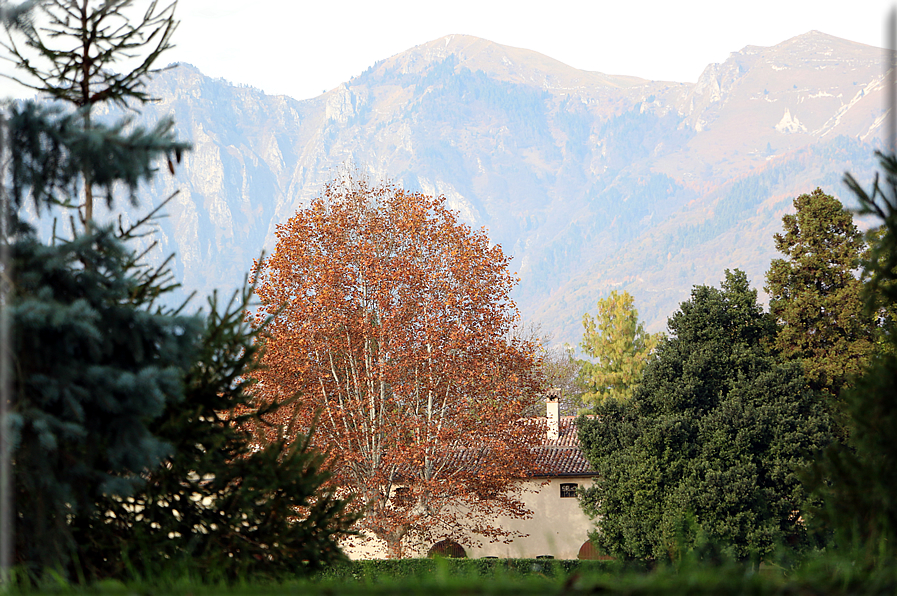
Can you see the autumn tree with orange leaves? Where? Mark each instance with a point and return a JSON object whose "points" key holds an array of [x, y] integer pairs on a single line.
{"points": [[391, 323]]}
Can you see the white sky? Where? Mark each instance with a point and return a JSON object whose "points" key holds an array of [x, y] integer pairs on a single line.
{"points": [[302, 48]]}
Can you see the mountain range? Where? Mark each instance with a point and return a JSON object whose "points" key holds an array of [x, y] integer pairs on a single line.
{"points": [[592, 182]]}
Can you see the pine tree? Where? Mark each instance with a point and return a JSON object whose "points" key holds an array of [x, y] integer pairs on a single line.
{"points": [[220, 506], [815, 294], [107, 381], [94, 359], [71, 58], [92, 365], [858, 481]]}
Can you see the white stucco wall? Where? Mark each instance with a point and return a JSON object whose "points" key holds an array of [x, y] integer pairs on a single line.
{"points": [[558, 528]]}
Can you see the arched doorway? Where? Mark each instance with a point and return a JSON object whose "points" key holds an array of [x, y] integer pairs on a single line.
{"points": [[588, 552], [447, 548]]}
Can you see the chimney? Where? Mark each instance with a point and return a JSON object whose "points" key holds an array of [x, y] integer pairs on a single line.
{"points": [[553, 399]]}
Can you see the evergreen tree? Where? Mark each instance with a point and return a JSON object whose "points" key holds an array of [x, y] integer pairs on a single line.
{"points": [[858, 481], [92, 365], [618, 343], [815, 294], [220, 505], [93, 359], [107, 382], [709, 445], [72, 56]]}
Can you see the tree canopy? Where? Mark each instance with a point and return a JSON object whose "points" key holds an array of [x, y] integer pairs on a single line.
{"points": [[858, 480], [391, 324], [709, 445], [620, 346], [815, 293]]}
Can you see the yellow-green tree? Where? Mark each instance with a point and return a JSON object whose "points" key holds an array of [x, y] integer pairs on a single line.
{"points": [[619, 347]]}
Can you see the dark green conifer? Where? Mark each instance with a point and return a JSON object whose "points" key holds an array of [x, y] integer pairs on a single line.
{"points": [[709, 445], [220, 506], [858, 481]]}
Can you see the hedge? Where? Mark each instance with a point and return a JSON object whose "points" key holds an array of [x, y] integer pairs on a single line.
{"points": [[388, 569]]}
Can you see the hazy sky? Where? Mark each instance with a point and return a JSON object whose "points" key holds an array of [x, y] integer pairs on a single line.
{"points": [[302, 48]]}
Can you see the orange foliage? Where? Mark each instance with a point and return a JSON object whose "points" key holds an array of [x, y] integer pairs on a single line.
{"points": [[390, 323]]}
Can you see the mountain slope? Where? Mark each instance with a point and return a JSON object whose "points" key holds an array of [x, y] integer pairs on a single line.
{"points": [[590, 181]]}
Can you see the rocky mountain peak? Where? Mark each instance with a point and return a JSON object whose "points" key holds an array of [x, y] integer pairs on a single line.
{"points": [[591, 182], [499, 62]]}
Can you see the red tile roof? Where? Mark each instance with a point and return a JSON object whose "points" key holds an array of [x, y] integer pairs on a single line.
{"points": [[562, 457], [567, 435], [558, 458]]}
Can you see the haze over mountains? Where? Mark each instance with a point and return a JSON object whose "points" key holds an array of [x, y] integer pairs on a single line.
{"points": [[592, 182]]}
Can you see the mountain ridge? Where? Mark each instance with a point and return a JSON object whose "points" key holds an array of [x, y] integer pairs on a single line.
{"points": [[592, 182], [475, 52]]}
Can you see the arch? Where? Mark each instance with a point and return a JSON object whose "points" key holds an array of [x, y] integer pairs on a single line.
{"points": [[588, 552], [447, 548]]}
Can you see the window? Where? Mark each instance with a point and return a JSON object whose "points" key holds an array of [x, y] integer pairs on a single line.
{"points": [[402, 497], [568, 489], [487, 494]]}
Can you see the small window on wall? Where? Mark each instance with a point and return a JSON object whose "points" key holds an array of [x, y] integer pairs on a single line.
{"points": [[568, 489], [402, 497]]}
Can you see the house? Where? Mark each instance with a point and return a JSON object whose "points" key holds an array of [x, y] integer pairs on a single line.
{"points": [[558, 527]]}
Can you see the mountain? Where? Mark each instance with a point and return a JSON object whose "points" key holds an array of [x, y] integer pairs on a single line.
{"points": [[592, 182]]}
